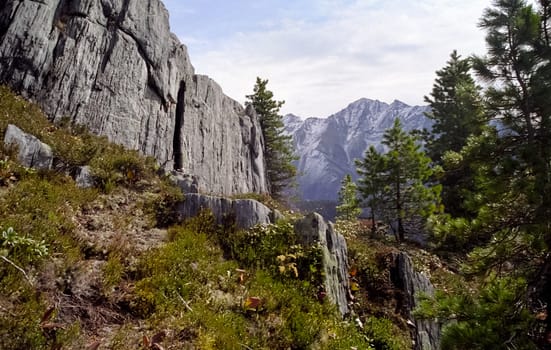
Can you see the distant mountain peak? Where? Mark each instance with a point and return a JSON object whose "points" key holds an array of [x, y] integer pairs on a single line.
{"points": [[398, 103], [328, 147], [292, 117]]}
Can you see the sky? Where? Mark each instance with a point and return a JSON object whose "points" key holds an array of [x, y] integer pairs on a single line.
{"points": [[321, 55]]}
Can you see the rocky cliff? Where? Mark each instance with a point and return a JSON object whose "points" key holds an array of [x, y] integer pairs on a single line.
{"points": [[313, 229], [426, 333], [328, 147], [114, 66]]}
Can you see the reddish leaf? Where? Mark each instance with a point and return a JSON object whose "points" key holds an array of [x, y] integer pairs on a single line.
{"points": [[146, 342], [47, 314], [252, 303]]}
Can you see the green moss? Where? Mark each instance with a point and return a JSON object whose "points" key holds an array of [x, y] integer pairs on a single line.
{"points": [[113, 271], [20, 327]]}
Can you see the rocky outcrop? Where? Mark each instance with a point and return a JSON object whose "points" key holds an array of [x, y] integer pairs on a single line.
{"points": [[83, 177], [114, 66], [245, 213], [413, 283], [31, 152], [314, 229]]}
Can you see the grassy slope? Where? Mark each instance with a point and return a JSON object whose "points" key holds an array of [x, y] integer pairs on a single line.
{"points": [[119, 274]]}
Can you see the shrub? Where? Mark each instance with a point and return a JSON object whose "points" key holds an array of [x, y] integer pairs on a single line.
{"points": [[118, 166], [163, 207], [26, 249], [492, 318], [384, 335]]}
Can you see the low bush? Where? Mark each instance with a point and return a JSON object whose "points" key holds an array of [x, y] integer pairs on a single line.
{"points": [[163, 206]]}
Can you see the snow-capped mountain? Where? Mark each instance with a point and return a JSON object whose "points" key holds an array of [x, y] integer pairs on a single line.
{"points": [[328, 147]]}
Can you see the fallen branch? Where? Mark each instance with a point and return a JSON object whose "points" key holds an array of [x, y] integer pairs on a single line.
{"points": [[17, 267], [184, 302]]}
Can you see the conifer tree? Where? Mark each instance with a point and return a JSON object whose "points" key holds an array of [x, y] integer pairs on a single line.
{"points": [[278, 148], [456, 108], [403, 173], [349, 204], [513, 198], [457, 112], [371, 183], [518, 69]]}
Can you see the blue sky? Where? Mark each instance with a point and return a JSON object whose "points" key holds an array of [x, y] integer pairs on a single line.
{"points": [[320, 55]]}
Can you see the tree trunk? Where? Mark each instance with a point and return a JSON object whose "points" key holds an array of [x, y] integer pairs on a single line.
{"points": [[401, 236], [373, 228]]}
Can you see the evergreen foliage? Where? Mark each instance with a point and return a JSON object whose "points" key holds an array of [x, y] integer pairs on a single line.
{"points": [[456, 108], [278, 148], [349, 204], [403, 173], [457, 112], [493, 318], [371, 183], [509, 234]]}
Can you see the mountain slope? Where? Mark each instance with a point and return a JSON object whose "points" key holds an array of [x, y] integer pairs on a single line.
{"points": [[328, 147]]}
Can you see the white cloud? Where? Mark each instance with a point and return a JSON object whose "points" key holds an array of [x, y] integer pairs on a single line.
{"points": [[378, 49]]}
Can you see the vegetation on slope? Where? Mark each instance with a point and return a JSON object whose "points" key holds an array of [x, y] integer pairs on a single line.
{"points": [[110, 267], [493, 144]]}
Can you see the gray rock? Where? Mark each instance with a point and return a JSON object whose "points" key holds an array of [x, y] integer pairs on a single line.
{"points": [[187, 183], [83, 177], [114, 67], [246, 213], [427, 332], [314, 229], [32, 153]]}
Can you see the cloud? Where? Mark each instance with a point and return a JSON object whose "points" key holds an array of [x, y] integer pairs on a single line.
{"points": [[343, 50]]}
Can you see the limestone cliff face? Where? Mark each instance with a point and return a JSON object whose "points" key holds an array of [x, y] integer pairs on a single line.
{"points": [[114, 66]]}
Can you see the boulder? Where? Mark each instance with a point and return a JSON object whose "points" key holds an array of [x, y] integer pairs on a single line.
{"points": [[83, 177], [246, 213], [32, 153], [314, 229], [412, 283], [115, 67]]}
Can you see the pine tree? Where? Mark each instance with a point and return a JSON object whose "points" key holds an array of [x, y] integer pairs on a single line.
{"points": [[403, 172], [407, 169], [349, 204], [370, 183], [278, 148], [518, 68], [512, 202], [458, 112], [456, 108]]}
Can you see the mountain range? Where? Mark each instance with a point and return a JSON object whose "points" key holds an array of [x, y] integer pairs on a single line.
{"points": [[328, 147]]}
